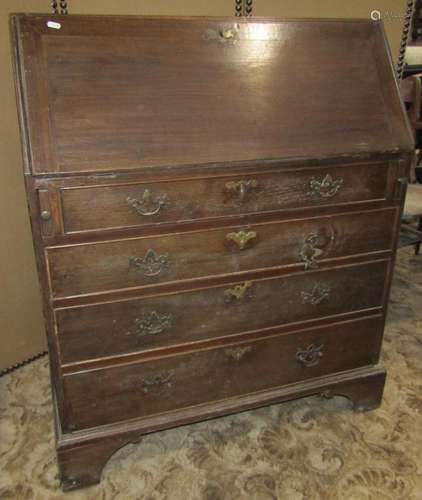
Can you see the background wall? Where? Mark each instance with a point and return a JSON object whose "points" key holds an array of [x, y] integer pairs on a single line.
{"points": [[392, 12], [21, 331], [21, 328]]}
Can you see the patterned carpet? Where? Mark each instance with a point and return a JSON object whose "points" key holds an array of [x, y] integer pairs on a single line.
{"points": [[307, 449]]}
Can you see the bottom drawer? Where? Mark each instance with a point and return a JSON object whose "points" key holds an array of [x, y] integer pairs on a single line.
{"points": [[106, 395]]}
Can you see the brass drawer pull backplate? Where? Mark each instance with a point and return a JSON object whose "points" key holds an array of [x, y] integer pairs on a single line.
{"points": [[325, 187], [151, 265], [311, 355], [159, 382], [318, 294], [147, 205], [152, 323]]}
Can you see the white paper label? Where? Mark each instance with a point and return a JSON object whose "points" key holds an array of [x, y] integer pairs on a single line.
{"points": [[54, 25]]}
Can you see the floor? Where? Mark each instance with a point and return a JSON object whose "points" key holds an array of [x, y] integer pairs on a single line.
{"points": [[307, 449]]}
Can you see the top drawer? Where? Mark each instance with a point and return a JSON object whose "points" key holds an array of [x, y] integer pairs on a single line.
{"points": [[101, 207]]}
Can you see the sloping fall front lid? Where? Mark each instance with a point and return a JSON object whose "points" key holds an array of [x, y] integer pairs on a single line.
{"points": [[109, 93]]}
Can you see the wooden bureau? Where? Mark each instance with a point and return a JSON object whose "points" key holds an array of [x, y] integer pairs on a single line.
{"points": [[215, 209]]}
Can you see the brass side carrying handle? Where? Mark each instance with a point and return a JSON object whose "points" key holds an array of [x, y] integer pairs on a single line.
{"points": [[151, 265], [311, 355], [146, 205], [241, 188], [241, 238], [152, 323]]}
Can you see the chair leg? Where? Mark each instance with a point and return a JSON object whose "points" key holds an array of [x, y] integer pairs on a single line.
{"points": [[418, 157], [418, 244]]}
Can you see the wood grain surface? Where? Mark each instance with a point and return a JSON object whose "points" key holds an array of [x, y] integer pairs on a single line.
{"points": [[118, 93], [215, 209]]}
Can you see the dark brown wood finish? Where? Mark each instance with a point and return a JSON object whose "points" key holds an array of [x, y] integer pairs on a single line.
{"points": [[151, 323], [83, 454], [207, 242], [202, 83], [138, 262], [140, 204], [98, 397]]}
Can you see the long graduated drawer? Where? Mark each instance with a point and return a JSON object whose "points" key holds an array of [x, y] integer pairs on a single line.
{"points": [[138, 262], [143, 324], [102, 396], [116, 205]]}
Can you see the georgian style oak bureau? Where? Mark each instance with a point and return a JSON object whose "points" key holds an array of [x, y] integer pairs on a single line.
{"points": [[215, 205]]}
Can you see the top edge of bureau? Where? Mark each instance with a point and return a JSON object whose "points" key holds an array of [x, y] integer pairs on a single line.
{"points": [[232, 167]]}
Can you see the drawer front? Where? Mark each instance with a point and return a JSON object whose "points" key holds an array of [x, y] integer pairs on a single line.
{"points": [[139, 204], [136, 262], [114, 394], [90, 332]]}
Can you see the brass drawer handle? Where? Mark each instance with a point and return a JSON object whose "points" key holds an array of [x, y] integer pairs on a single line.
{"points": [[237, 353], [152, 323], [310, 251], [318, 294], [241, 188], [146, 205], [238, 292], [311, 355], [325, 187], [151, 265], [241, 238], [159, 382]]}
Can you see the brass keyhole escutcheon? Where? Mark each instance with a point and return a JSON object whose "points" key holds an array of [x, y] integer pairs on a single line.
{"points": [[237, 353], [241, 188], [238, 292], [228, 33], [241, 238]]}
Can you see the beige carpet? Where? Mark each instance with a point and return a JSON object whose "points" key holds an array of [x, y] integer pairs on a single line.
{"points": [[307, 449]]}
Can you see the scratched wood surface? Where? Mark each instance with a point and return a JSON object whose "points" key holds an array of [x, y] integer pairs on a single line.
{"points": [[140, 204], [107, 94], [139, 262], [157, 322]]}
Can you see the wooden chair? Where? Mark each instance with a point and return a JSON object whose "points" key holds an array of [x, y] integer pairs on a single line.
{"points": [[411, 90], [409, 235]]}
